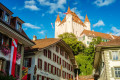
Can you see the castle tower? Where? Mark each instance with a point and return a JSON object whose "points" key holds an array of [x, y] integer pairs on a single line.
{"points": [[57, 22], [87, 23], [69, 21]]}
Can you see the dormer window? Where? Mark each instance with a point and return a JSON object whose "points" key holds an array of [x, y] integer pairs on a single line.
{"points": [[7, 17], [18, 26], [1, 13]]}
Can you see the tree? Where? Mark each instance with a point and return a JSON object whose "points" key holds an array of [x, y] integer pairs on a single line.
{"points": [[71, 40]]}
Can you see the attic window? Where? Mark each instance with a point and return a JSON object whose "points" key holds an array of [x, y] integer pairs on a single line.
{"points": [[1, 13], [18, 26], [7, 17]]}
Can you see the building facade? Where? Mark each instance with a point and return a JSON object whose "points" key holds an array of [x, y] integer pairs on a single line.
{"points": [[73, 24], [107, 60], [10, 28], [50, 59]]}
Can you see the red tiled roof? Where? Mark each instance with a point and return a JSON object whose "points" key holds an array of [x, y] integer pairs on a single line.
{"points": [[114, 42], [74, 17], [98, 34]]}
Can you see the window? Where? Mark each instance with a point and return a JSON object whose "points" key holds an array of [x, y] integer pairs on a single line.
{"points": [[18, 26], [49, 68], [83, 37], [6, 17], [17, 69], [1, 13], [57, 49], [27, 62], [53, 70], [45, 66], [40, 63], [19, 48], [1, 39], [117, 72], [49, 54], [7, 66], [1, 64], [28, 76], [45, 52], [115, 55]]}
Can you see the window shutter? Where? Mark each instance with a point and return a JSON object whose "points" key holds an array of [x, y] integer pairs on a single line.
{"points": [[44, 66], [51, 68], [37, 77], [28, 76], [55, 70], [60, 60], [110, 54], [41, 64], [42, 77], [112, 72], [30, 59], [119, 56], [38, 63], [55, 58], [59, 72], [48, 67]]}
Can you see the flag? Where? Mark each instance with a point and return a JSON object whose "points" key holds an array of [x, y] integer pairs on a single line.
{"points": [[13, 57], [52, 25], [65, 13], [24, 73]]}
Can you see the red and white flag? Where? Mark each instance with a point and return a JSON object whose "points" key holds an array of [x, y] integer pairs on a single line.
{"points": [[13, 57], [52, 25], [66, 13]]}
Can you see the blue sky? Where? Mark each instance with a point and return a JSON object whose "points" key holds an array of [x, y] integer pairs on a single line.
{"points": [[39, 14]]}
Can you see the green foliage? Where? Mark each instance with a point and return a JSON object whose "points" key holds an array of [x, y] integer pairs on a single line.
{"points": [[84, 62], [71, 40], [84, 55]]}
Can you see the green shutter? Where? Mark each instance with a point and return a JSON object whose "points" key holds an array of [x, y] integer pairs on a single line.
{"points": [[110, 54], [112, 72], [119, 56]]}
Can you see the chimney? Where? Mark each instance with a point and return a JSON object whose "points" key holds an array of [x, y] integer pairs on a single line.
{"points": [[34, 38], [46, 37]]}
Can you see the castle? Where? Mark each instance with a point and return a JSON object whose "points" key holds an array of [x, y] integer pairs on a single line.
{"points": [[73, 24]]}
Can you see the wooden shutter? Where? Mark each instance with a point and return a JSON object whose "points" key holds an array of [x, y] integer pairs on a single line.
{"points": [[41, 64], [110, 55], [30, 59], [38, 63], [42, 77], [60, 60], [59, 72], [112, 72], [55, 70], [51, 68], [55, 58], [37, 77], [44, 66]]}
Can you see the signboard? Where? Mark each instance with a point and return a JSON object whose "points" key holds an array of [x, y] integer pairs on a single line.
{"points": [[24, 73]]}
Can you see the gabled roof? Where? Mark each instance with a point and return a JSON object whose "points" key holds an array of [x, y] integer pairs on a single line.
{"points": [[58, 18], [86, 19], [74, 17], [98, 34], [42, 43], [114, 42]]}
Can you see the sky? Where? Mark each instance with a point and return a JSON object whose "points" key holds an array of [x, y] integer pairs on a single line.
{"points": [[39, 14]]}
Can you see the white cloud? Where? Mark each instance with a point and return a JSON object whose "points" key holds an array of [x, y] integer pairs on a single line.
{"points": [[75, 3], [78, 13], [14, 8], [31, 26], [42, 32], [115, 31], [53, 6], [99, 23], [31, 5], [24, 29], [101, 3]]}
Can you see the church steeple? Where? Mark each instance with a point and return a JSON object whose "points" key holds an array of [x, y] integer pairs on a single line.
{"points": [[58, 18], [86, 19]]}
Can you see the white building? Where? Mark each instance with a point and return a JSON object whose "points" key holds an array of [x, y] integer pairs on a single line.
{"points": [[11, 27], [107, 60], [73, 24], [50, 59]]}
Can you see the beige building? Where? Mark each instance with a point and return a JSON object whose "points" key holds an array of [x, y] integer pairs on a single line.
{"points": [[107, 60], [50, 59]]}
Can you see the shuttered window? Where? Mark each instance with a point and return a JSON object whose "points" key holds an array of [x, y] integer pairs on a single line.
{"points": [[39, 63], [45, 52], [45, 66], [49, 54]]}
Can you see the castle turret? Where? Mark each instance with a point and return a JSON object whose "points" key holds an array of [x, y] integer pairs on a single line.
{"points": [[69, 21], [87, 23], [57, 22]]}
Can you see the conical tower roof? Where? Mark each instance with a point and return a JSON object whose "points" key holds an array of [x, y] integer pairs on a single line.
{"points": [[69, 11], [86, 19], [58, 18]]}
